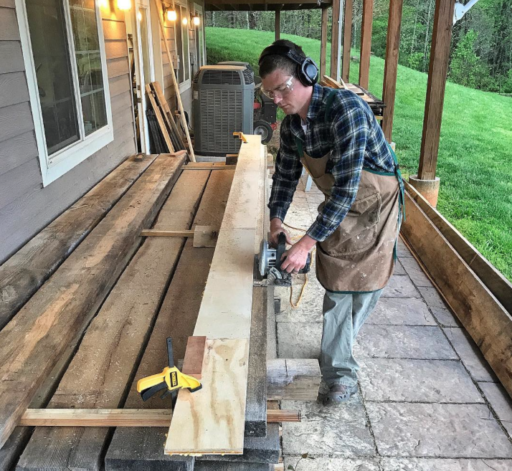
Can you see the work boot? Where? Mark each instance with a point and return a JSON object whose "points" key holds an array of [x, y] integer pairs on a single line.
{"points": [[337, 394]]}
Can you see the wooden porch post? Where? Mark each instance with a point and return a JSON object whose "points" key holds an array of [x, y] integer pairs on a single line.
{"points": [[439, 56], [347, 41], [335, 39], [277, 27], [323, 43], [366, 43], [391, 65]]}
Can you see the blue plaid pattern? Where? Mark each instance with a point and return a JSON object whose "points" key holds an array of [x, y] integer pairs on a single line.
{"points": [[354, 139]]}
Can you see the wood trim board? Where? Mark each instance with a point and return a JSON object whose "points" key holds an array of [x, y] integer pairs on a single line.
{"points": [[480, 312], [488, 274], [121, 417]]}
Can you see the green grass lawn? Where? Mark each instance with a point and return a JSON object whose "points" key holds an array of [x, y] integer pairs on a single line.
{"points": [[475, 154]]}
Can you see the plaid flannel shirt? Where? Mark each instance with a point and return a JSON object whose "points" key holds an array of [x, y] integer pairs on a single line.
{"points": [[354, 139]]}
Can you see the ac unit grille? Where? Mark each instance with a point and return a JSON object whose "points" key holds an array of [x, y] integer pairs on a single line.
{"points": [[248, 76], [221, 77], [221, 115]]}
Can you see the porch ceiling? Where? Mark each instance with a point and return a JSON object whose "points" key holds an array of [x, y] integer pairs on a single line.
{"points": [[264, 5]]}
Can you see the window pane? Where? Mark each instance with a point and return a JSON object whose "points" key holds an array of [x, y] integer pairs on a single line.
{"points": [[93, 106], [88, 61], [53, 69]]}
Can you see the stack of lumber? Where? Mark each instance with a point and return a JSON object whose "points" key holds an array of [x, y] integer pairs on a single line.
{"points": [[169, 129], [36, 344], [100, 318], [376, 105]]}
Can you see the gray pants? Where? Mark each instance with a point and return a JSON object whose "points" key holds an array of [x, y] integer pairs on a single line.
{"points": [[344, 314]]}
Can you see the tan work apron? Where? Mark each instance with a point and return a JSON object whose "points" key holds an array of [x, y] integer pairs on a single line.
{"points": [[359, 255]]}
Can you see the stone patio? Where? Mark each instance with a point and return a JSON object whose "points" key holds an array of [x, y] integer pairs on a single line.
{"points": [[427, 399]]}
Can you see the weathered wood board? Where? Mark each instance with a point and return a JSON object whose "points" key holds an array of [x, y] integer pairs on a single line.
{"points": [[101, 369], [31, 343], [177, 317]]}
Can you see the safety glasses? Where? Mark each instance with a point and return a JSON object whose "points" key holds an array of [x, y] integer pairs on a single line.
{"points": [[281, 91]]}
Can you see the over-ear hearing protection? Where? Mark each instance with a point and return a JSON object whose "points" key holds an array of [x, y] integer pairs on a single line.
{"points": [[307, 70]]}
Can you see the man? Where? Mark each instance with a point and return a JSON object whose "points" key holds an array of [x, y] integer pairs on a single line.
{"points": [[335, 136]]}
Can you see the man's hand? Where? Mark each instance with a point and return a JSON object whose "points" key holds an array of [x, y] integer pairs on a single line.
{"points": [[297, 255], [276, 227]]}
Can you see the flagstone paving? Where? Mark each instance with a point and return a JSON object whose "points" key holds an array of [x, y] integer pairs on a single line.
{"points": [[427, 400]]}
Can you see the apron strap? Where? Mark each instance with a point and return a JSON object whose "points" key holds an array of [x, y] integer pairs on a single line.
{"points": [[401, 198], [400, 183]]}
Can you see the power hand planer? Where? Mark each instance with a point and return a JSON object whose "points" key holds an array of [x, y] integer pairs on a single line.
{"points": [[270, 263]]}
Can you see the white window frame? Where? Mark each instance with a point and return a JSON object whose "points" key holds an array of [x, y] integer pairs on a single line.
{"points": [[199, 9], [186, 84], [62, 161]]}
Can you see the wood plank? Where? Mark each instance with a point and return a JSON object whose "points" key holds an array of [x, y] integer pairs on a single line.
{"points": [[91, 418], [119, 418], [225, 319], [7, 3], [103, 368], [159, 118], [485, 319], [116, 49], [437, 72], [176, 318], [259, 451], [166, 233], [335, 31], [194, 355], [256, 404], [226, 167], [492, 278], [293, 380], [8, 25], [169, 115], [220, 404], [229, 266], [323, 40], [366, 44], [13, 448], [176, 87], [391, 66], [31, 343], [15, 120], [347, 41], [17, 151], [32, 265], [13, 89]]}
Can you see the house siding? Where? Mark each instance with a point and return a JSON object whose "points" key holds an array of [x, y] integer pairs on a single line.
{"points": [[25, 206]]}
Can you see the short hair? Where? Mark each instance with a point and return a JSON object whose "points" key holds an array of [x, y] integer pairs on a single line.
{"points": [[277, 61]]}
